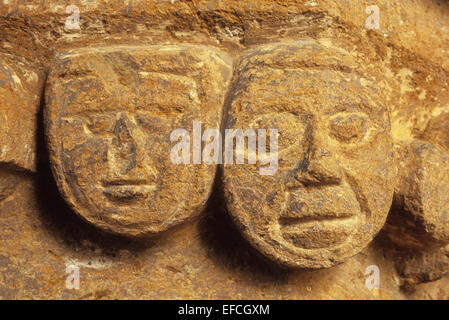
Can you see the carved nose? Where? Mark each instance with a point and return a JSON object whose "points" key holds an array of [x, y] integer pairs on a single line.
{"points": [[319, 165], [124, 147]]}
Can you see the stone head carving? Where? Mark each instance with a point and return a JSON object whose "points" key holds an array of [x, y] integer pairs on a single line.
{"points": [[418, 223], [20, 91], [109, 114], [332, 191], [419, 218]]}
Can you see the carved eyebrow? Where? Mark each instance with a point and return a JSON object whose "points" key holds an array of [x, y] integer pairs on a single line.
{"points": [[360, 114], [186, 92], [149, 95], [168, 76], [310, 65], [283, 98], [154, 110], [298, 65], [272, 114], [87, 114], [299, 55], [160, 52], [157, 110], [281, 108], [64, 69]]}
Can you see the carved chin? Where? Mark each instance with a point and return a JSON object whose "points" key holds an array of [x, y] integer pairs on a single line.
{"points": [[320, 218]]}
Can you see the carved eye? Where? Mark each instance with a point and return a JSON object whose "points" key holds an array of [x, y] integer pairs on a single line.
{"points": [[290, 129], [100, 124], [146, 121], [349, 128], [153, 123]]}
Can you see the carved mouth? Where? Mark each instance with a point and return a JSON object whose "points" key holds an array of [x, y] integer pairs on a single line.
{"points": [[316, 231], [127, 190], [292, 219]]}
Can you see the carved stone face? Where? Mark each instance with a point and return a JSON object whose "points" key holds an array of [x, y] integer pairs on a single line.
{"points": [[110, 112], [332, 191], [20, 89]]}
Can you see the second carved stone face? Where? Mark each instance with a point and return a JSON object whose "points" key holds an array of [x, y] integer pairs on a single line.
{"points": [[110, 112], [332, 191]]}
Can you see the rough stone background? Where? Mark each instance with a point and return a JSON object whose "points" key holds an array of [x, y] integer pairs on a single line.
{"points": [[208, 258]]}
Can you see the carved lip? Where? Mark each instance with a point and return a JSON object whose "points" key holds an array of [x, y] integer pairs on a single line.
{"points": [[127, 190], [317, 231], [291, 220]]}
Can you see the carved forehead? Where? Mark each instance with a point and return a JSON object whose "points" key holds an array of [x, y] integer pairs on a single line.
{"points": [[304, 76], [123, 77]]}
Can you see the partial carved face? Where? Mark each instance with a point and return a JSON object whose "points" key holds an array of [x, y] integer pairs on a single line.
{"points": [[20, 89], [419, 218], [20, 92], [110, 112], [332, 191]]}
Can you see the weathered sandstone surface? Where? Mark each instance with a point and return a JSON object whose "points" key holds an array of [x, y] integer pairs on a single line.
{"points": [[86, 180]]}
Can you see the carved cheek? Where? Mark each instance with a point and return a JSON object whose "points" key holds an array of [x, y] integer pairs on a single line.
{"points": [[86, 155], [154, 147], [368, 170]]}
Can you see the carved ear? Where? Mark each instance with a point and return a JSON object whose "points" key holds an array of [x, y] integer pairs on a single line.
{"points": [[20, 92], [419, 217]]}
